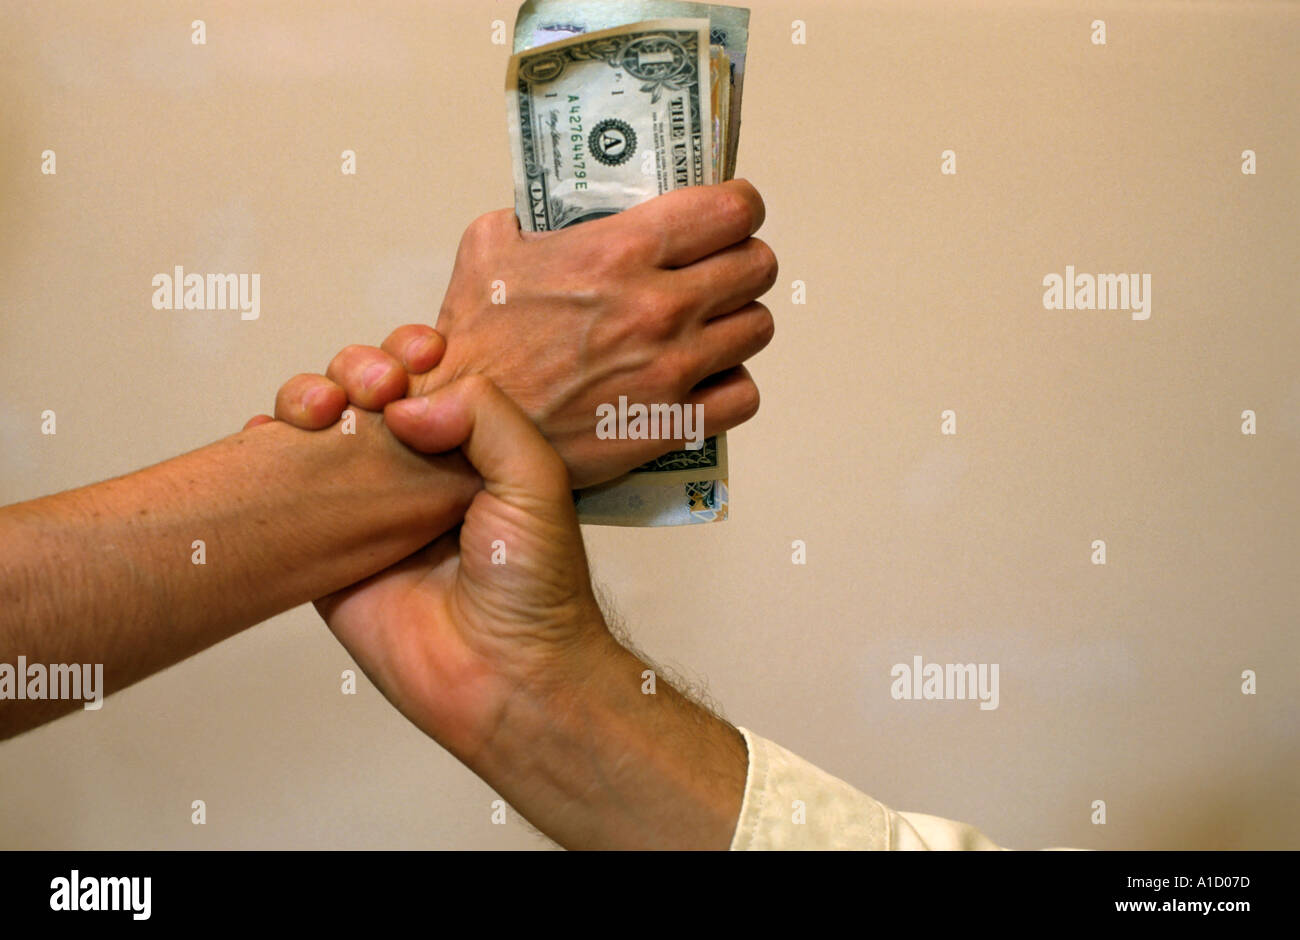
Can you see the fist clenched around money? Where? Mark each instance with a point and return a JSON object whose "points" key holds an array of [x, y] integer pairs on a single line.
{"points": [[658, 303]]}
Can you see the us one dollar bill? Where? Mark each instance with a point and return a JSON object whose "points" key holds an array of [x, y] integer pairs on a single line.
{"points": [[604, 121], [544, 21], [608, 109]]}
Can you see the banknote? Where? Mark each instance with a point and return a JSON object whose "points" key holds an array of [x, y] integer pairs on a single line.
{"points": [[602, 119], [672, 505], [543, 21]]}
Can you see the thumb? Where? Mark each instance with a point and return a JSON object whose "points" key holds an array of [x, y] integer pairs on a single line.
{"points": [[498, 439]]}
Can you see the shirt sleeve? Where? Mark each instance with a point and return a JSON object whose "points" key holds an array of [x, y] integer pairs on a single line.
{"points": [[791, 805]]}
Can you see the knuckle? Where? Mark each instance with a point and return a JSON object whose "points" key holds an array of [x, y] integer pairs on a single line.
{"points": [[502, 220], [747, 401], [663, 312], [625, 251], [480, 225], [766, 261], [671, 374], [477, 233], [584, 261], [755, 200], [733, 210], [764, 324]]}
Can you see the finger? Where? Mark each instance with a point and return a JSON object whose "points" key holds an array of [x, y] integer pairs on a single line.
{"points": [[417, 347], [728, 341], [693, 223], [310, 402], [498, 439], [724, 400], [370, 377], [732, 277], [729, 399], [257, 421]]}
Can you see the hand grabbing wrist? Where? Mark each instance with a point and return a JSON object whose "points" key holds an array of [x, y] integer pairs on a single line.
{"points": [[491, 641]]}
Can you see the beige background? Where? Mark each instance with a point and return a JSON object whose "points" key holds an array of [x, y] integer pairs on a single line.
{"points": [[1119, 683]]}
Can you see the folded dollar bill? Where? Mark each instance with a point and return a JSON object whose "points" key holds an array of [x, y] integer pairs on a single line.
{"points": [[543, 21], [610, 104]]}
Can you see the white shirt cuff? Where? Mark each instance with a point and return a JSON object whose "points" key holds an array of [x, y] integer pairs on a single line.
{"points": [[791, 805]]}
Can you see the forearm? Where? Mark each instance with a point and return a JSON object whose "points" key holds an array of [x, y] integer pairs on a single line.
{"points": [[600, 764], [111, 574]]}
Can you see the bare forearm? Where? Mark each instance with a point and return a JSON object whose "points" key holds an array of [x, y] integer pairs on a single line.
{"points": [[602, 764], [113, 573]]}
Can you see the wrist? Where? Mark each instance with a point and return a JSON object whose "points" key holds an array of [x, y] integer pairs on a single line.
{"points": [[422, 495], [597, 760], [354, 503]]}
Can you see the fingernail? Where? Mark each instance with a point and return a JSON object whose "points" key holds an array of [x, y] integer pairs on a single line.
{"points": [[314, 396], [412, 407], [373, 374], [419, 347]]}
